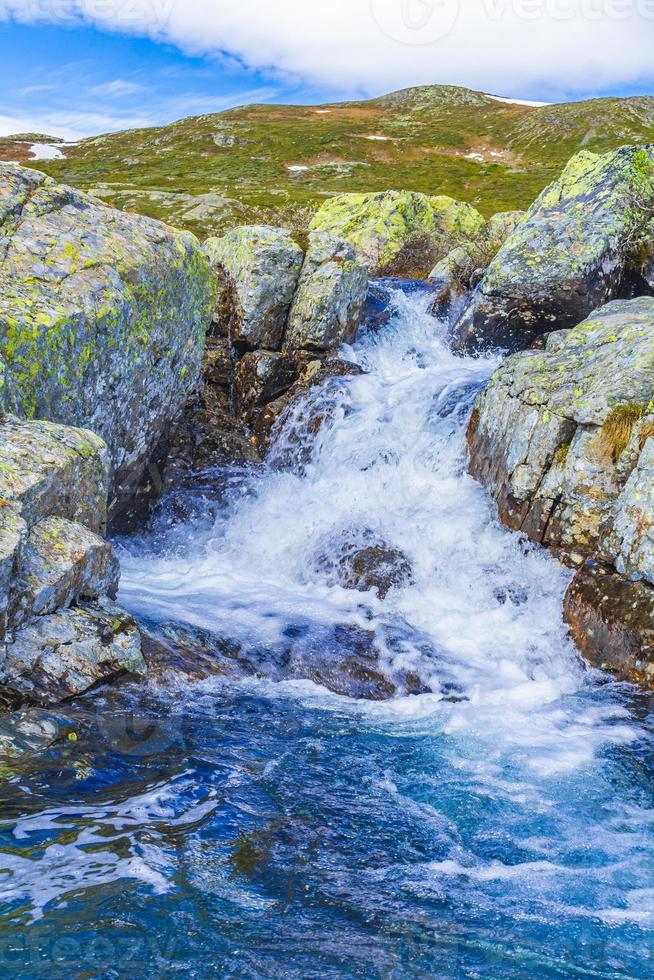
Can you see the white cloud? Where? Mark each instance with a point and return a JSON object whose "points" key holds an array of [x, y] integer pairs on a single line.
{"points": [[119, 88], [69, 126], [514, 47]]}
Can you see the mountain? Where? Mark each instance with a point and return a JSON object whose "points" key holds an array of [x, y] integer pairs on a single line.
{"points": [[267, 162]]}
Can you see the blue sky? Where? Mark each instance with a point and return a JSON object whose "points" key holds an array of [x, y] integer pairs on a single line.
{"points": [[80, 67]]}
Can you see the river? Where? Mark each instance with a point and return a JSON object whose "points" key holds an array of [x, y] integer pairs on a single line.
{"points": [[500, 826]]}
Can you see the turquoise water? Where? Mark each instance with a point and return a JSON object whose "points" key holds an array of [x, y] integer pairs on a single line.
{"points": [[501, 826]]}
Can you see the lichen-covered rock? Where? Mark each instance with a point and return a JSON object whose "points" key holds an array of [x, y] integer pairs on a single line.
{"points": [[556, 433], [378, 225], [566, 258], [62, 562], [261, 376], [48, 469], [504, 223], [456, 219], [611, 620], [330, 295], [260, 267], [628, 541], [102, 316], [60, 655], [53, 502]]}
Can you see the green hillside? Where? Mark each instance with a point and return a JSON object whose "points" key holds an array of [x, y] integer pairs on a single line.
{"points": [[210, 171]]}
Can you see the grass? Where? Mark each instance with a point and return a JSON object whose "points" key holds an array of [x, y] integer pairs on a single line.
{"points": [[208, 172], [615, 434]]}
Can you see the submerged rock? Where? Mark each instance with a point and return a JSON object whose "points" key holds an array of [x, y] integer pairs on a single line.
{"points": [[260, 269], [344, 658], [331, 292], [102, 317], [566, 258]]}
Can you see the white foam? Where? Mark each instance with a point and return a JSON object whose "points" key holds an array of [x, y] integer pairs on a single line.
{"points": [[391, 458]]}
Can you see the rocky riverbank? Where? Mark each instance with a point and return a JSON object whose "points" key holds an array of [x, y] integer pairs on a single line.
{"points": [[562, 436], [155, 360]]}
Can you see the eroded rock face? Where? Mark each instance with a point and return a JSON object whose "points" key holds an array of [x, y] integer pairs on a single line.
{"points": [[331, 292], [557, 433], [103, 316], [566, 258], [260, 268], [54, 482], [378, 225]]}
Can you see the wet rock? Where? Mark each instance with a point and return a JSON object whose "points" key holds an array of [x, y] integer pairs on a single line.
{"points": [[313, 372], [260, 267], [557, 433], [343, 658], [327, 306], [379, 225], [102, 317], [261, 376], [374, 566], [207, 436], [566, 258], [612, 622], [218, 363], [62, 654]]}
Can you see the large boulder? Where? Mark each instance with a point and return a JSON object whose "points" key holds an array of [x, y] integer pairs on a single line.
{"points": [[102, 317], [330, 295], [379, 225], [59, 631], [259, 268], [557, 433], [564, 260]]}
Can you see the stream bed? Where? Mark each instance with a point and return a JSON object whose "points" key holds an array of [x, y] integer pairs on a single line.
{"points": [[501, 825]]}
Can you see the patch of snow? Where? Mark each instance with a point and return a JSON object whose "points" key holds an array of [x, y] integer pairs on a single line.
{"points": [[296, 168], [381, 139], [534, 105], [475, 156], [46, 151], [323, 112]]}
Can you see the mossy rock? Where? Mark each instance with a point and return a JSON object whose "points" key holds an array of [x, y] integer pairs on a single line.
{"points": [[566, 258], [379, 225], [102, 316]]}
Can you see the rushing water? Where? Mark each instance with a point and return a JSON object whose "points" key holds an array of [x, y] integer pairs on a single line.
{"points": [[502, 826]]}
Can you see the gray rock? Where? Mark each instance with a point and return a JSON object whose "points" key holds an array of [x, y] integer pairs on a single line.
{"points": [[330, 295], [566, 258], [61, 563], [63, 654], [102, 316], [259, 267], [557, 433]]}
